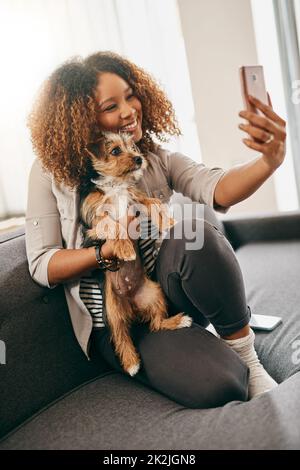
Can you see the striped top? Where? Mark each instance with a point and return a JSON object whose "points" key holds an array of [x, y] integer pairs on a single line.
{"points": [[147, 243], [91, 295], [90, 291]]}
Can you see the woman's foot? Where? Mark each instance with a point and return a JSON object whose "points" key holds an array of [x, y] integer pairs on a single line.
{"points": [[259, 380]]}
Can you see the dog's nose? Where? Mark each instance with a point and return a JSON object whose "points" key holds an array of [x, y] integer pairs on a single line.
{"points": [[138, 160]]}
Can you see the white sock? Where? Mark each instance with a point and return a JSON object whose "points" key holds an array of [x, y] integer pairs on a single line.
{"points": [[259, 379]]}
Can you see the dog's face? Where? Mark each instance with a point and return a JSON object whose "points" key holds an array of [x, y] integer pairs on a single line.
{"points": [[116, 155]]}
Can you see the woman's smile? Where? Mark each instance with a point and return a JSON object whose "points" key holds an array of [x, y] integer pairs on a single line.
{"points": [[130, 127]]}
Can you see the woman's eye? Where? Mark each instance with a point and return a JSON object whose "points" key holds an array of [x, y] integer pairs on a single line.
{"points": [[111, 107], [116, 151]]}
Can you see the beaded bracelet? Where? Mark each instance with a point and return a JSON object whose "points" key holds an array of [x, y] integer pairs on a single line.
{"points": [[112, 264]]}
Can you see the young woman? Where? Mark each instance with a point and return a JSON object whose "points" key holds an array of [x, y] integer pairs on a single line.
{"points": [[108, 92]]}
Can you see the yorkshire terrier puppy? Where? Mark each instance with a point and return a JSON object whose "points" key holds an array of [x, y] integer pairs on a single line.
{"points": [[111, 193]]}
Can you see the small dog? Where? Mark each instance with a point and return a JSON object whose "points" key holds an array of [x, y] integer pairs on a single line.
{"points": [[117, 165]]}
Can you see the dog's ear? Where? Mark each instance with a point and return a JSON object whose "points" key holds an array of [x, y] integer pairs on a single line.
{"points": [[93, 149]]}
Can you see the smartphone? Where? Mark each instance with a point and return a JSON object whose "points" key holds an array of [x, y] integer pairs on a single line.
{"points": [[264, 322], [253, 83]]}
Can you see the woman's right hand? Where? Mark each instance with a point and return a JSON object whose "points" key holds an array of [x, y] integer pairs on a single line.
{"points": [[107, 249]]}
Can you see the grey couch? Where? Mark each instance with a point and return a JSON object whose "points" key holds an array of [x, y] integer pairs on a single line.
{"points": [[53, 398]]}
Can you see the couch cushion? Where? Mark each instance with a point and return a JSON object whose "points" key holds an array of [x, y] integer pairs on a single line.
{"points": [[117, 412], [43, 357], [271, 272]]}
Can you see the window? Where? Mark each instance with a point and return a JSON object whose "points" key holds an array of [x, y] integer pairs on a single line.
{"points": [[37, 35], [269, 41]]}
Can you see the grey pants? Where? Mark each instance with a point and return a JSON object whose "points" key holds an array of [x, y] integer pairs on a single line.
{"points": [[191, 365]]}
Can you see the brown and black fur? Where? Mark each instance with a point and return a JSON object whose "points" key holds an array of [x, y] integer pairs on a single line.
{"points": [[116, 164]]}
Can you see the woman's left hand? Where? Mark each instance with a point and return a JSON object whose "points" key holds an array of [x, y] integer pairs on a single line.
{"points": [[267, 133]]}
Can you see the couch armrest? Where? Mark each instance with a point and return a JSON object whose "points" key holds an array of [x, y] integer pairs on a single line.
{"points": [[262, 227]]}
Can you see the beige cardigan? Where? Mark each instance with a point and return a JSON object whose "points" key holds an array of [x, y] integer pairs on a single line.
{"points": [[52, 218]]}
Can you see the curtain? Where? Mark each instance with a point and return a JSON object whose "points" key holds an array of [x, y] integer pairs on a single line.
{"points": [[269, 50], [288, 30], [37, 35]]}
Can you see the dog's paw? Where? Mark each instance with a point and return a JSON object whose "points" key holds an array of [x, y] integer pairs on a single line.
{"points": [[171, 221], [133, 370], [130, 258], [185, 322], [91, 234], [124, 250]]}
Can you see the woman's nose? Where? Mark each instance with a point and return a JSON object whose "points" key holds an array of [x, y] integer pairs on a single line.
{"points": [[126, 111]]}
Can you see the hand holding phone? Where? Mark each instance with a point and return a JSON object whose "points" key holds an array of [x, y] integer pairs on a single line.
{"points": [[267, 135], [253, 83]]}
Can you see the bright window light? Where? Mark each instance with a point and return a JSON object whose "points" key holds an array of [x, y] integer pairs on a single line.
{"points": [[268, 54], [36, 36]]}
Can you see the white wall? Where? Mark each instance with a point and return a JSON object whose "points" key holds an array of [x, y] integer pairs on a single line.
{"points": [[219, 38]]}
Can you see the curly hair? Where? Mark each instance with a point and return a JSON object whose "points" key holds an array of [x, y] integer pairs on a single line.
{"points": [[63, 120]]}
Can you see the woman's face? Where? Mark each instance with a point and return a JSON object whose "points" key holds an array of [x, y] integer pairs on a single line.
{"points": [[118, 106]]}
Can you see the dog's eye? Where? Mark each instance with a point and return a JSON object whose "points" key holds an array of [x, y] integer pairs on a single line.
{"points": [[116, 151]]}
